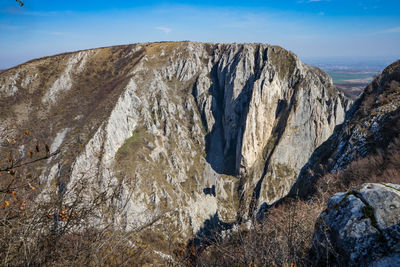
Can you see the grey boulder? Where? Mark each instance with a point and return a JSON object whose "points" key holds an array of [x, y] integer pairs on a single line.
{"points": [[360, 227]]}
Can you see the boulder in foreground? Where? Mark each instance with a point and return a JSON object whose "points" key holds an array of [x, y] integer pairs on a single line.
{"points": [[360, 227]]}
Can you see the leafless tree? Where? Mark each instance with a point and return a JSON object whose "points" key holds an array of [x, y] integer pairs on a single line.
{"points": [[41, 226]]}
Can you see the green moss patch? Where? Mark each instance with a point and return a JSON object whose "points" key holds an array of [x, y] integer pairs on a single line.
{"points": [[138, 139], [368, 211], [134, 151], [391, 187]]}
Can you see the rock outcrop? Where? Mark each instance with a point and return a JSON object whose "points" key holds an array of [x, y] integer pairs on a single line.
{"points": [[190, 131], [360, 227]]}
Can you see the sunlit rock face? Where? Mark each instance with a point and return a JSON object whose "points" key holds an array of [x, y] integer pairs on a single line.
{"points": [[191, 132]]}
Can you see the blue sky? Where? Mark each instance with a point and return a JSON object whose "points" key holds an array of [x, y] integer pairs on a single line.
{"points": [[310, 28]]}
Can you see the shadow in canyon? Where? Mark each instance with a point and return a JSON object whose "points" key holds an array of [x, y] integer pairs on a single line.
{"points": [[224, 141]]}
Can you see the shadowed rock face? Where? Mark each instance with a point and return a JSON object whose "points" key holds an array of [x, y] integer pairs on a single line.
{"points": [[361, 226], [192, 130]]}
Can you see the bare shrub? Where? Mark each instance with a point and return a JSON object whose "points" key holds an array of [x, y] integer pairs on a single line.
{"points": [[46, 226], [283, 238], [382, 167]]}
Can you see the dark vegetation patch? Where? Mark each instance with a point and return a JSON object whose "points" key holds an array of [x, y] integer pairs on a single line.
{"points": [[369, 212], [351, 90], [284, 61], [132, 153]]}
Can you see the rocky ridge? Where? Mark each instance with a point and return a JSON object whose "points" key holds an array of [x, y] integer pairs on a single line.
{"points": [[371, 126], [190, 131]]}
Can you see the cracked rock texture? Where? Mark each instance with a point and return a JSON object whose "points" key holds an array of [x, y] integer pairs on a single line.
{"points": [[192, 131], [360, 227]]}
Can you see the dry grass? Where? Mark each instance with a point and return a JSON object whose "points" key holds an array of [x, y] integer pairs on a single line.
{"points": [[281, 239], [384, 166]]}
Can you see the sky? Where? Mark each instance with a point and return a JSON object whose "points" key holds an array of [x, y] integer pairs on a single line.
{"points": [[309, 28]]}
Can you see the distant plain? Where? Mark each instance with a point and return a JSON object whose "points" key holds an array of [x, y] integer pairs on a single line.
{"points": [[351, 75], [352, 83]]}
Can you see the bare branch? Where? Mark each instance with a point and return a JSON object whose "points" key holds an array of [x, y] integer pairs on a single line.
{"points": [[20, 2], [17, 164]]}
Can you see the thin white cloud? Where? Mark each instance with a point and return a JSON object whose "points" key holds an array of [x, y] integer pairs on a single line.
{"points": [[311, 1], [39, 13], [10, 27], [392, 30], [24, 12], [56, 33], [244, 21], [164, 29]]}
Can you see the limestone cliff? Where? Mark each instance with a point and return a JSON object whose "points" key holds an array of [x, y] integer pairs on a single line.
{"points": [[192, 131]]}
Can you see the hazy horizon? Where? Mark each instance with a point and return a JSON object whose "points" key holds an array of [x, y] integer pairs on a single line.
{"points": [[313, 29]]}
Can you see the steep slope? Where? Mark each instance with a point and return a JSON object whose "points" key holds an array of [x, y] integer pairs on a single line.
{"points": [[191, 132], [372, 126]]}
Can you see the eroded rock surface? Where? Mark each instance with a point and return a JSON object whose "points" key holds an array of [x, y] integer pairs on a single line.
{"points": [[360, 227]]}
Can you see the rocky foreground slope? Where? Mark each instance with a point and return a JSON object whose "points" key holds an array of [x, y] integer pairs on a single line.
{"points": [[189, 131]]}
